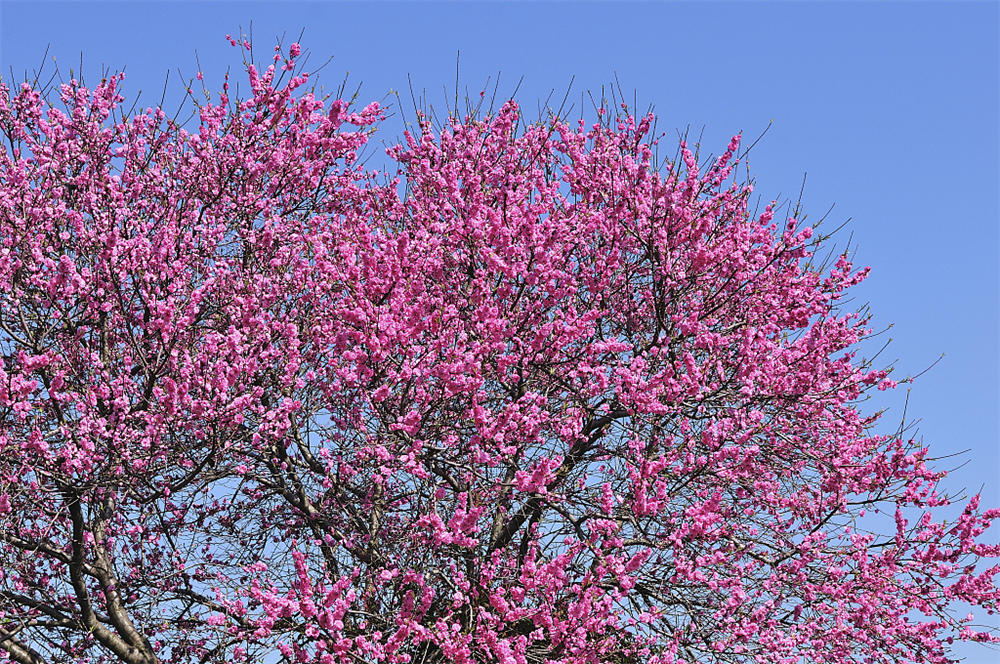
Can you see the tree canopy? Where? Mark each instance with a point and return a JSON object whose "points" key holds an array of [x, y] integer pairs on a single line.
{"points": [[534, 395]]}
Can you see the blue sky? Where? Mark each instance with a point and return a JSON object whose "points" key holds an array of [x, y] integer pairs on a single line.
{"points": [[891, 109]]}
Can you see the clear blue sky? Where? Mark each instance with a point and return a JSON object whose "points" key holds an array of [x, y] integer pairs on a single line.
{"points": [[891, 108]]}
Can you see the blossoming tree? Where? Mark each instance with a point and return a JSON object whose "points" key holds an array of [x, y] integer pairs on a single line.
{"points": [[537, 397]]}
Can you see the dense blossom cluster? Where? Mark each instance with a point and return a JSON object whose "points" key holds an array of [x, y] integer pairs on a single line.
{"points": [[539, 398]]}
